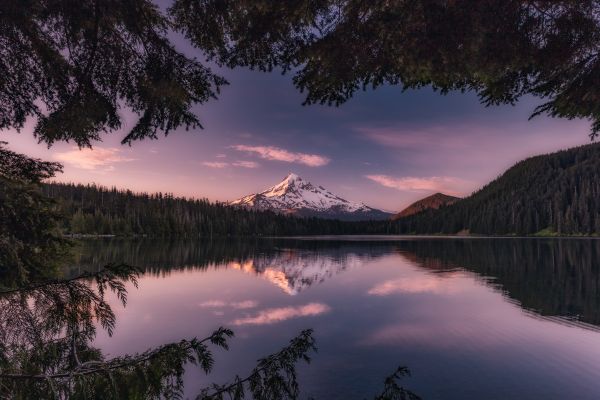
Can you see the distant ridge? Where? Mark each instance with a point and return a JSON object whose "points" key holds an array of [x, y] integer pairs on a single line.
{"points": [[434, 201], [296, 196]]}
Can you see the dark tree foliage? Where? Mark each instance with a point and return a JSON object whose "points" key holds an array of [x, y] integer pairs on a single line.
{"points": [[30, 241], [557, 193], [500, 49], [392, 389], [17, 167], [74, 64], [160, 256]]}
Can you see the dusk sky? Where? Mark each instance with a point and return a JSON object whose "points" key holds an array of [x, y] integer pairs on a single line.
{"points": [[384, 147]]}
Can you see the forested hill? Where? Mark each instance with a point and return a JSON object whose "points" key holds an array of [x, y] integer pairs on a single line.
{"points": [[557, 193], [97, 210]]}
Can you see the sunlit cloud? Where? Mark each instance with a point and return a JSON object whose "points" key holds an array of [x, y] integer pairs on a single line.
{"points": [[221, 155], [98, 158], [215, 164], [237, 305], [246, 164], [212, 304], [274, 315], [446, 184], [279, 154], [237, 164], [244, 305], [405, 137]]}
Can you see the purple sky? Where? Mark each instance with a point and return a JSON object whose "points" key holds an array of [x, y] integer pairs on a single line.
{"points": [[384, 147]]}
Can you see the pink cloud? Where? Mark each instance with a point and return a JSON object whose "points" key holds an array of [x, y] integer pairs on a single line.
{"points": [[212, 304], [239, 164], [98, 158], [481, 150], [215, 164], [446, 184], [422, 137], [246, 164], [237, 305], [274, 315], [279, 154], [243, 305]]}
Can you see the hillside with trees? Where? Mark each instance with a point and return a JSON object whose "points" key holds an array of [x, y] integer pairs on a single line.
{"points": [[557, 193], [96, 210]]}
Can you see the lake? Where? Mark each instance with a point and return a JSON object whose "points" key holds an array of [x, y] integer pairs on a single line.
{"points": [[473, 318]]}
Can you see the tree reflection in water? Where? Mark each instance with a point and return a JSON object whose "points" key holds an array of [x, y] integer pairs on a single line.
{"points": [[548, 277], [46, 335]]}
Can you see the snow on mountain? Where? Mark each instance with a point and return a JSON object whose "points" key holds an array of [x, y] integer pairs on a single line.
{"points": [[296, 196]]}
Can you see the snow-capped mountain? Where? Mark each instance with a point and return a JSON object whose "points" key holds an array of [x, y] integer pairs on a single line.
{"points": [[296, 196]]}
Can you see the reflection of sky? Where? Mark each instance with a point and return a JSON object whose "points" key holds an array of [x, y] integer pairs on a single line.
{"points": [[383, 147], [460, 337]]}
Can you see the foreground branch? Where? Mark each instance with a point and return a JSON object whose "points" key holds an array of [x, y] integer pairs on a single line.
{"points": [[218, 337], [274, 376]]}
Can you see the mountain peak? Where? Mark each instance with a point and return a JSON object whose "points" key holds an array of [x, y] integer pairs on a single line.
{"points": [[294, 195], [434, 201], [291, 177]]}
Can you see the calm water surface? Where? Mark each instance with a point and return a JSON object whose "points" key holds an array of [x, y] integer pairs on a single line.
{"points": [[471, 318]]}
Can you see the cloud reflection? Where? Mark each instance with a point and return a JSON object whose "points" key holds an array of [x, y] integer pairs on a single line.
{"points": [[417, 284], [274, 315]]}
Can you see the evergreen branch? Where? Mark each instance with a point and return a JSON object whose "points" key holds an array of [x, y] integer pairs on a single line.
{"points": [[269, 368], [218, 338], [393, 391], [110, 271], [19, 167]]}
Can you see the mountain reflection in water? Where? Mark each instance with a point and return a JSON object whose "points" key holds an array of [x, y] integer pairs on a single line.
{"points": [[549, 277]]}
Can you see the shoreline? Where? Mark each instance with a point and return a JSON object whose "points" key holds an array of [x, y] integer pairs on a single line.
{"points": [[357, 237]]}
